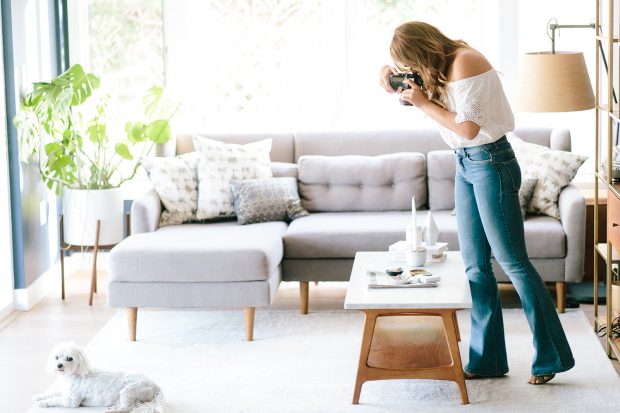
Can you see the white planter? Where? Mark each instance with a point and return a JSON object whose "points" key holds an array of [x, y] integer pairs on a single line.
{"points": [[81, 208]]}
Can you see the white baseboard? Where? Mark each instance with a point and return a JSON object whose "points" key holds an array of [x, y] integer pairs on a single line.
{"points": [[26, 298]]}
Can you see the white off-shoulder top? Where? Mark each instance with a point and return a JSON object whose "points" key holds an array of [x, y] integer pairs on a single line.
{"points": [[479, 99]]}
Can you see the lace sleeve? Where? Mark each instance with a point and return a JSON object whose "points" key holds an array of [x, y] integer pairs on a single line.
{"points": [[470, 98]]}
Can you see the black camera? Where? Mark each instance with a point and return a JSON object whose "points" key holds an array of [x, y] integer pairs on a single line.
{"points": [[398, 81]]}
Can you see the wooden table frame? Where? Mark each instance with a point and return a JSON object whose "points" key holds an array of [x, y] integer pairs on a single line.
{"points": [[453, 372]]}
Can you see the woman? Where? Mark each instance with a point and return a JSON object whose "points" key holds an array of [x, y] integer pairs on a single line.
{"points": [[463, 94]]}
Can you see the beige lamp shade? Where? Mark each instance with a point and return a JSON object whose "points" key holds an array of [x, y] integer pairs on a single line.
{"points": [[556, 82]]}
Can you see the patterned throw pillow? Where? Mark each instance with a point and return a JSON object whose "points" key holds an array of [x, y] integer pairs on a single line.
{"points": [[554, 170], [175, 181], [264, 200], [219, 164], [525, 194]]}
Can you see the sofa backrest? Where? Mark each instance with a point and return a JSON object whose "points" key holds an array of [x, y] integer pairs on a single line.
{"points": [[367, 143], [362, 183], [442, 168], [282, 147]]}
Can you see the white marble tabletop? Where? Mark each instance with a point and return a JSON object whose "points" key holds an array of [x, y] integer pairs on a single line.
{"points": [[452, 292]]}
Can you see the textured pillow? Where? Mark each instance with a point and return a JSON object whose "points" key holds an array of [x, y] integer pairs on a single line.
{"points": [[554, 170], [175, 181], [525, 194], [264, 200], [219, 164]]}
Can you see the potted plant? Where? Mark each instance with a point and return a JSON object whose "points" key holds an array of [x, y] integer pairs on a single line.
{"points": [[63, 128]]}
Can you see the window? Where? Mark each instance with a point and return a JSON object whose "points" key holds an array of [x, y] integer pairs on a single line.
{"points": [[122, 42], [293, 64]]}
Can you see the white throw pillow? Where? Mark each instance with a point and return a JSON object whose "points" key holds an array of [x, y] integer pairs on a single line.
{"points": [[176, 183], [552, 168], [219, 164]]}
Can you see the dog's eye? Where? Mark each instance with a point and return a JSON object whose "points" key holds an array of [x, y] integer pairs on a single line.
{"points": [[69, 358], [56, 357]]}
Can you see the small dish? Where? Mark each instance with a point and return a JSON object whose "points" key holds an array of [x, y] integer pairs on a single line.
{"points": [[394, 272], [419, 272]]}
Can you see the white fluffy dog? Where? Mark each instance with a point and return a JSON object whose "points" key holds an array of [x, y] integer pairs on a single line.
{"points": [[84, 386]]}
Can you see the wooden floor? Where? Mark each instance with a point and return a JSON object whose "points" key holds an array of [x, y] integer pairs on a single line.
{"points": [[27, 337]]}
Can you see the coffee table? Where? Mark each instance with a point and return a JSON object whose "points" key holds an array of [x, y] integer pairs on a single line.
{"points": [[409, 333]]}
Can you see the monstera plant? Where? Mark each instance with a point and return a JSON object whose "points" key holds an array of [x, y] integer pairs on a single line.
{"points": [[63, 128]]}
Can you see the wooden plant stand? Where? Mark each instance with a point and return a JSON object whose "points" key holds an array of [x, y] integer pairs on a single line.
{"points": [[80, 248]]}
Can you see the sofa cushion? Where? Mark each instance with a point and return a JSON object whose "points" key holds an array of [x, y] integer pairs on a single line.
{"points": [[362, 183], [441, 171], [342, 234], [215, 252], [220, 163], [284, 170], [265, 200], [176, 184], [554, 170]]}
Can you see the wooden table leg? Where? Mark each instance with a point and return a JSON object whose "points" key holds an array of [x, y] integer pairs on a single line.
{"points": [[369, 329], [456, 326], [93, 280], [451, 326]]}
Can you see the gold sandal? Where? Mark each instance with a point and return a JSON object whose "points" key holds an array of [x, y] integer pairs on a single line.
{"points": [[536, 380]]}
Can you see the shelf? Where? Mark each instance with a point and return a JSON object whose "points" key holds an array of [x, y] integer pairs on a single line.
{"points": [[601, 248], [612, 186], [607, 39]]}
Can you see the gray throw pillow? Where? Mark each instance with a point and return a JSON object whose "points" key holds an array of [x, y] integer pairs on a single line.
{"points": [[264, 200]]}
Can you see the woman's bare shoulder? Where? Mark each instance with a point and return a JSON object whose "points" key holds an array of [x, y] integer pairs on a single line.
{"points": [[468, 62]]}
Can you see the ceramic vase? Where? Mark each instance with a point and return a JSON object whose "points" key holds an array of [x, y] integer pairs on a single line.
{"points": [[430, 230]]}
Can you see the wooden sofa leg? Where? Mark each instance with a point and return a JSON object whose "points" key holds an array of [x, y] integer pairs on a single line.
{"points": [[303, 297], [132, 320], [249, 323], [560, 290]]}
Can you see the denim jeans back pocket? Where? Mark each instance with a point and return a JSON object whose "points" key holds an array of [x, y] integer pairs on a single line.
{"points": [[480, 156], [514, 174]]}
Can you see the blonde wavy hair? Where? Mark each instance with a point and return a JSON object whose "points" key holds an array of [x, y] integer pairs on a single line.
{"points": [[423, 48]]}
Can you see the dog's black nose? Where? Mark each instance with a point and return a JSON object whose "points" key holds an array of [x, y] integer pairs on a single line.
{"points": [[59, 365]]}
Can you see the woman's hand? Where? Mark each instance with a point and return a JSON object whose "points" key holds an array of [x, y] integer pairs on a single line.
{"points": [[414, 95], [384, 77]]}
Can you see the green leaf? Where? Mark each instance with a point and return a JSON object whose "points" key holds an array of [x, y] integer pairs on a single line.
{"points": [[158, 131], [96, 133], [152, 100], [135, 132], [81, 83], [52, 148], [123, 150]]}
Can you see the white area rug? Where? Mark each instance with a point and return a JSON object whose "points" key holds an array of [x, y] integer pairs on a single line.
{"points": [[308, 364]]}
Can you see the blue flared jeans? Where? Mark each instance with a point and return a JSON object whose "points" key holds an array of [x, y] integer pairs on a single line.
{"points": [[488, 178]]}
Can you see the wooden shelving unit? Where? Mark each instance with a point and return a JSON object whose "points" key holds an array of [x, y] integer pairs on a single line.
{"points": [[607, 129]]}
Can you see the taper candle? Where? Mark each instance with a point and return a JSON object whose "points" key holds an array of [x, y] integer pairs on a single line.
{"points": [[414, 226]]}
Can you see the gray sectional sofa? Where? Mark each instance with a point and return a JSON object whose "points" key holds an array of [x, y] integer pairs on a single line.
{"points": [[359, 202]]}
